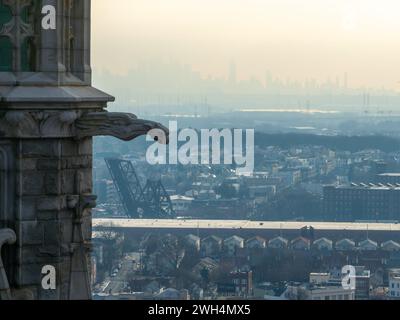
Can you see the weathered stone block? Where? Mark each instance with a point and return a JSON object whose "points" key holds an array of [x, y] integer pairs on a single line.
{"points": [[26, 294], [47, 215], [87, 228], [49, 295], [38, 255], [86, 182], [65, 215], [64, 267], [32, 183], [49, 253], [52, 183], [69, 148], [52, 233], [64, 290], [48, 164], [28, 208], [68, 182], [66, 231], [27, 254], [82, 162], [32, 233], [86, 147], [51, 203], [39, 148], [30, 274], [27, 164]]}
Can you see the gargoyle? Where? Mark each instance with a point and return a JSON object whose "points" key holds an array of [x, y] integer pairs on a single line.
{"points": [[125, 126], [7, 236]]}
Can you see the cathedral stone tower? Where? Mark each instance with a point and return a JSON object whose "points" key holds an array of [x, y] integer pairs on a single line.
{"points": [[49, 113]]}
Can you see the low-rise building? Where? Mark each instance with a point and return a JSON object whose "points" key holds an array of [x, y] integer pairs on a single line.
{"points": [[363, 278], [193, 241], [211, 246], [233, 243], [394, 284], [362, 202], [278, 243], [323, 244], [368, 245], [256, 242], [181, 204], [329, 293], [238, 284], [319, 278], [345, 245], [207, 264], [319, 292], [390, 246], [300, 243]]}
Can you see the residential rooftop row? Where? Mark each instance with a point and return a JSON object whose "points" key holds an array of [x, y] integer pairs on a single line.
{"points": [[299, 243]]}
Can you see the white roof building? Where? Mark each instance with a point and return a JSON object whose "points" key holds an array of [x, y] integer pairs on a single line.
{"points": [[181, 198]]}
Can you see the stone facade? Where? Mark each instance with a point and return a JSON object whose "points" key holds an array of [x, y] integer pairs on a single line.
{"points": [[48, 116], [52, 178]]}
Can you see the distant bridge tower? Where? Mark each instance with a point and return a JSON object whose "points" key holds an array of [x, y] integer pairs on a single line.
{"points": [[127, 184], [149, 202], [158, 202], [49, 113]]}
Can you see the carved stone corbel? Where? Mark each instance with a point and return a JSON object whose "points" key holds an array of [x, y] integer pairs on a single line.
{"points": [[7, 236], [58, 124], [21, 123], [37, 124], [125, 126]]}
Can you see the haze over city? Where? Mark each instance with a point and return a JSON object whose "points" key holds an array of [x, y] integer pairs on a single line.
{"points": [[328, 42], [280, 179]]}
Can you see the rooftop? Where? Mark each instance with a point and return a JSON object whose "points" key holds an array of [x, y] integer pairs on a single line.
{"points": [[390, 174], [240, 224], [368, 186], [178, 197]]}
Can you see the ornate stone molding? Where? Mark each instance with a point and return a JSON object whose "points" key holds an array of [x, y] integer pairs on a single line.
{"points": [[37, 124], [76, 124], [7, 236], [17, 30]]}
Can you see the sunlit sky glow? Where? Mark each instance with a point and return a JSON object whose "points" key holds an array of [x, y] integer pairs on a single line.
{"points": [[296, 39]]}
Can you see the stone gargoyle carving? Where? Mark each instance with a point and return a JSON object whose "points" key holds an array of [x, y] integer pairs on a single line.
{"points": [[125, 126], [7, 236]]}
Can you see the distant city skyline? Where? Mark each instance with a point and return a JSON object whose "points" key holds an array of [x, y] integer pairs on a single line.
{"points": [[296, 41], [174, 87]]}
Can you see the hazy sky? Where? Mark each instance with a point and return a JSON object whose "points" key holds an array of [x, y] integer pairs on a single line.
{"points": [[295, 39]]}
